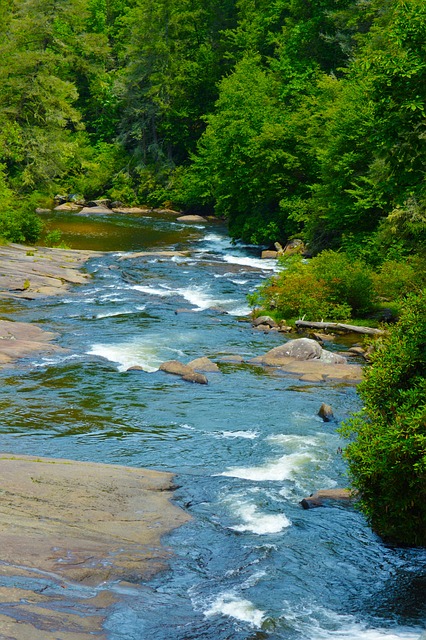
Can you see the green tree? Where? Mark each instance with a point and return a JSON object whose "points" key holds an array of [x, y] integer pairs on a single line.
{"points": [[387, 457], [250, 155]]}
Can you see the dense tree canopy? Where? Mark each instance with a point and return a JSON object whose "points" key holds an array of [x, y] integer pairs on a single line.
{"points": [[285, 117]]}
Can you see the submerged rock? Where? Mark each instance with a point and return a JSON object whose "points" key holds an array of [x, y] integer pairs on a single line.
{"points": [[326, 412]]}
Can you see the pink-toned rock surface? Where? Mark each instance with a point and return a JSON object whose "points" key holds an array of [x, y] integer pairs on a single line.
{"points": [[81, 527]]}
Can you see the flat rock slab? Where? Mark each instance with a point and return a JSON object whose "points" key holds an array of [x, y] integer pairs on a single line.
{"points": [[33, 272], [71, 530], [21, 339], [314, 370]]}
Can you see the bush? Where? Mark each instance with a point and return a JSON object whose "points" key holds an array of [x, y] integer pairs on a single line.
{"points": [[395, 279], [329, 287], [387, 458], [20, 224]]}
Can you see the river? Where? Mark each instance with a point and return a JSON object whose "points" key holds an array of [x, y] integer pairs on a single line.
{"points": [[246, 448]]}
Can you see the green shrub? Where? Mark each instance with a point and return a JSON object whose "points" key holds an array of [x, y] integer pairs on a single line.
{"points": [[349, 281], [396, 278], [20, 224], [328, 287], [387, 457]]}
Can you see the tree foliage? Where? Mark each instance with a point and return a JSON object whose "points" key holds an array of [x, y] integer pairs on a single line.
{"points": [[387, 458]]}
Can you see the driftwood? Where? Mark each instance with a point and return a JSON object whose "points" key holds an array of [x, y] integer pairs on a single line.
{"points": [[338, 326]]}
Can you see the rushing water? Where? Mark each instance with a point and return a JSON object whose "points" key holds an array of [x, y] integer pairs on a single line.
{"points": [[245, 449]]}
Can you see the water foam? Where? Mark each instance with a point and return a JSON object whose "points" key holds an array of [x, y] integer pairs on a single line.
{"points": [[153, 291], [255, 263], [129, 354], [229, 604], [284, 468], [250, 435], [257, 522], [323, 624], [113, 314]]}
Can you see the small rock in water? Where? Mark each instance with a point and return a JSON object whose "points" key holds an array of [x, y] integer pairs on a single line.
{"points": [[262, 320], [203, 364], [317, 499], [199, 378], [326, 412]]}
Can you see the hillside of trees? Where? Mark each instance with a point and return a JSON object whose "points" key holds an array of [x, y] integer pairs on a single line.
{"points": [[286, 117]]}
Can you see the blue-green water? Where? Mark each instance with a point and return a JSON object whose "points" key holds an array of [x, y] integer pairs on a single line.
{"points": [[245, 449]]}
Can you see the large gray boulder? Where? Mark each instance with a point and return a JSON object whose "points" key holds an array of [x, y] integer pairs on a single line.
{"points": [[300, 349]]}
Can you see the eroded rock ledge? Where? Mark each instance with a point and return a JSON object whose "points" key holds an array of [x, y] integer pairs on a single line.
{"points": [[77, 528], [33, 272]]}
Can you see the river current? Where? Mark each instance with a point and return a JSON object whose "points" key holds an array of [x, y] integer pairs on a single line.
{"points": [[246, 448]]}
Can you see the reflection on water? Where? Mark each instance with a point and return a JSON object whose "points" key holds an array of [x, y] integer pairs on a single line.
{"points": [[246, 447]]}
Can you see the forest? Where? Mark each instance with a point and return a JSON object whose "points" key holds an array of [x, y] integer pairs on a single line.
{"points": [[286, 118], [289, 118]]}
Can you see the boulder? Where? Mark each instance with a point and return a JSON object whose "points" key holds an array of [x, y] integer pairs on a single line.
{"points": [[42, 210], [99, 209], [285, 328], [332, 358], [184, 371], [294, 247], [317, 499], [67, 206], [123, 209], [267, 254], [170, 212], [176, 368], [263, 327], [199, 378], [306, 358], [270, 322], [103, 202], [191, 218], [299, 349], [326, 412], [203, 364]]}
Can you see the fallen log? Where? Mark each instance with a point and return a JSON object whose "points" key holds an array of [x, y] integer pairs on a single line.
{"points": [[339, 326]]}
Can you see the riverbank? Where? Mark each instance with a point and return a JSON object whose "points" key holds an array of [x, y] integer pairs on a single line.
{"points": [[32, 272], [79, 528]]}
